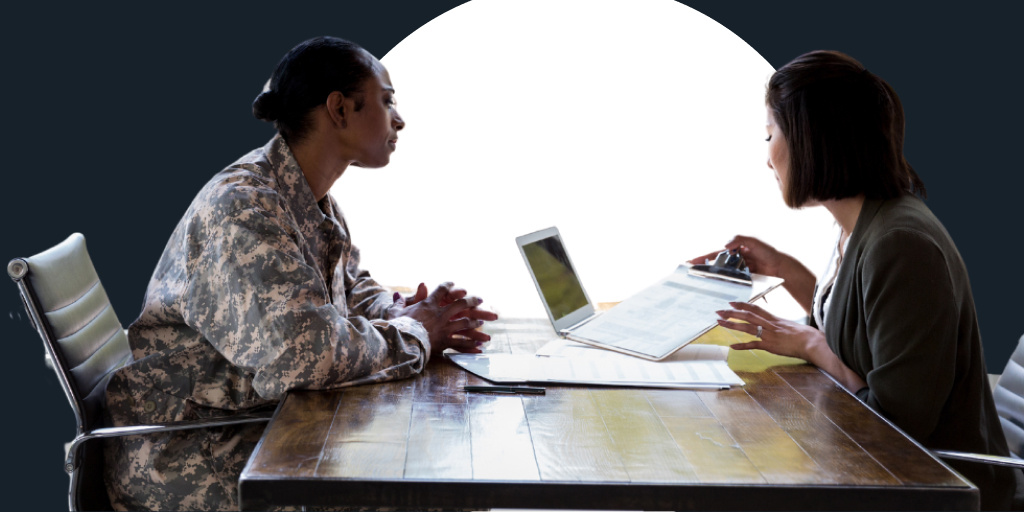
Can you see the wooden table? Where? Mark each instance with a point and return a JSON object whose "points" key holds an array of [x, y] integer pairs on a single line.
{"points": [[790, 439]]}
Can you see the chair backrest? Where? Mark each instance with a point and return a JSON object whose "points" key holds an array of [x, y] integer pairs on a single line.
{"points": [[1009, 398], [69, 308]]}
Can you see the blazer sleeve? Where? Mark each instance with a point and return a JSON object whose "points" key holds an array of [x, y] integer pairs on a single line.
{"points": [[251, 294], [911, 321]]}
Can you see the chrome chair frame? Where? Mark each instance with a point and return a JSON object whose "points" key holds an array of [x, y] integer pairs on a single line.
{"points": [[980, 458], [20, 270], [1009, 416]]}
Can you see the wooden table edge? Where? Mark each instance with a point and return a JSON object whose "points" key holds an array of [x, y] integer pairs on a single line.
{"points": [[254, 491], [481, 495], [910, 438], [259, 444]]}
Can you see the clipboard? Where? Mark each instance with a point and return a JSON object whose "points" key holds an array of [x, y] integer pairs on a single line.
{"points": [[652, 324], [667, 316]]}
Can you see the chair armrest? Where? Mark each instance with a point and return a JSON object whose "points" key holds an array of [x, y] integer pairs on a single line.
{"points": [[179, 425], [981, 458], [71, 463]]}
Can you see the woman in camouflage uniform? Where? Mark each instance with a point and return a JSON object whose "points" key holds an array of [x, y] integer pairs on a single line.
{"points": [[259, 290]]}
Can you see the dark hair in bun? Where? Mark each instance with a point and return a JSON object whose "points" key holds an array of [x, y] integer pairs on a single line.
{"points": [[267, 107], [304, 78]]}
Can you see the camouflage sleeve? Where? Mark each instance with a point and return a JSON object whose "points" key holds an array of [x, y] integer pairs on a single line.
{"points": [[365, 297], [251, 294]]}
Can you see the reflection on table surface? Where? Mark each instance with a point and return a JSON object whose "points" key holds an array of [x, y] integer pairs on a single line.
{"points": [[789, 439]]}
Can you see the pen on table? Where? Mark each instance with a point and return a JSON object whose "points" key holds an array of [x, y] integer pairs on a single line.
{"points": [[504, 389]]}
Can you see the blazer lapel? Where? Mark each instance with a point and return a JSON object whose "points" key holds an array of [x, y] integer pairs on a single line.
{"points": [[846, 286]]}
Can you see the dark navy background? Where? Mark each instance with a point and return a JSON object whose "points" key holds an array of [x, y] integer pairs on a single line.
{"points": [[114, 116]]}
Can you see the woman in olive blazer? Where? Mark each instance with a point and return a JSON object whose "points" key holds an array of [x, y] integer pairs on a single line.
{"points": [[897, 321]]}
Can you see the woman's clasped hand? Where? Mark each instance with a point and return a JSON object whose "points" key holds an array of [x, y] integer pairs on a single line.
{"points": [[450, 316]]}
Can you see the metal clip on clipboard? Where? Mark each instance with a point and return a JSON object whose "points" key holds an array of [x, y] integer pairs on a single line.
{"points": [[728, 266]]}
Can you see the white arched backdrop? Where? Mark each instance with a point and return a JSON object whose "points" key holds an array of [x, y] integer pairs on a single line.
{"points": [[636, 127]]}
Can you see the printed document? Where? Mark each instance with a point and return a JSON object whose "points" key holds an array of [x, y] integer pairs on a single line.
{"points": [[566, 362], [669, 314]]}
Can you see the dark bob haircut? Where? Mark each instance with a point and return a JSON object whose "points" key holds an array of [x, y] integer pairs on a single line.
{"points": [[304, 78], [844, 130]]}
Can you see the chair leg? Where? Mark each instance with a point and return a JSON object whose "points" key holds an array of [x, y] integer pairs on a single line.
{"points": [[73, 505], [86, 467]]}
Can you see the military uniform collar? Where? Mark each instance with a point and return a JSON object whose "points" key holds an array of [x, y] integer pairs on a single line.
{"points": [[293, 187]]}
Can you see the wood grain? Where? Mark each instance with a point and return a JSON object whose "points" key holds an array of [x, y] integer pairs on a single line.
{"points": [[840, 458], [671, 403], [439, 442], [779, 459], [647, 449], [368, 436], [713, 454], [501, 442], [570, 440], [293, 444], [900, 455], [789, 439]]}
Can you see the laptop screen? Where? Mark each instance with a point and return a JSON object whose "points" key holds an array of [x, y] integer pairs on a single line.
{"points": [[555, 277]]}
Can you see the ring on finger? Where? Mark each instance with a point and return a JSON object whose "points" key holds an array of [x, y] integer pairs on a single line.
{"points": [[760, 330]]}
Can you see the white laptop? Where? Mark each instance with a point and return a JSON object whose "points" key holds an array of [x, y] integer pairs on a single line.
{"points": [[652, 324]]}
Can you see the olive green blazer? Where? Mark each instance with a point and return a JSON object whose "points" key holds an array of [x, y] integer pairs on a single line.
{"points": [[902, 316]]}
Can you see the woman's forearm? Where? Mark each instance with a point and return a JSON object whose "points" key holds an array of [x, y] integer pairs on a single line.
{"points": [[799, 281], [820, 355]]}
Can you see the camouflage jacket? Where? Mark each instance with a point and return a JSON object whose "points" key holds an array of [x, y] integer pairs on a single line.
{"points": [[258, 291]]}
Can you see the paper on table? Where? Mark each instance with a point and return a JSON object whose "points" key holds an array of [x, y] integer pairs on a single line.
{"points": [[566, 361], [691, 352], [669, 314], [571, 363]]}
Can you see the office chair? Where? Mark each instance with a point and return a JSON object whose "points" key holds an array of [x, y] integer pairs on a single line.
{"points": [[1008, 394], [68, 307]]}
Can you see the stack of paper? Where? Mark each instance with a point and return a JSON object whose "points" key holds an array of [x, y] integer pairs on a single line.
{"points": [[560, 361]]}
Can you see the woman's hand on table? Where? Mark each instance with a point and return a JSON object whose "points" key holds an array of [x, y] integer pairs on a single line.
{"points": [[775, 335], [450, 316], [788, 338]]}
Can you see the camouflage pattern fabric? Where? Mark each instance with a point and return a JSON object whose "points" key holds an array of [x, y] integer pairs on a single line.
{"points": [[258, 291]]}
